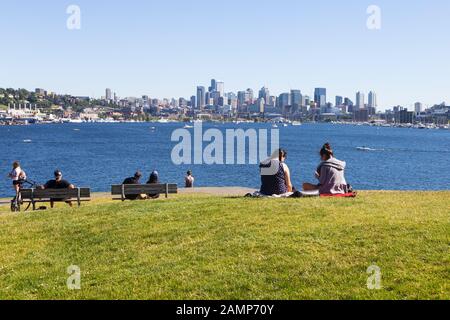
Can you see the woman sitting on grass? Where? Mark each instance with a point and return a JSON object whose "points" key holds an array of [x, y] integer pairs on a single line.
{"points": [[275, 175], [330, 174]]}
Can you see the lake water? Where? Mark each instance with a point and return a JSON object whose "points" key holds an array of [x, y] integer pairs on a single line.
{"points": [[98, 155]]}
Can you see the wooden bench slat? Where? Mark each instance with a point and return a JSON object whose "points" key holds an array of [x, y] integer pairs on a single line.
{"points": [[55, 193], [143, 189]]}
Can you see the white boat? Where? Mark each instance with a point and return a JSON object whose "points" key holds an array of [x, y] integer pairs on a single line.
{"points": [[365, 149], [163, 121], [296, 124], [188, 127], [274, 126], [27, 141]]}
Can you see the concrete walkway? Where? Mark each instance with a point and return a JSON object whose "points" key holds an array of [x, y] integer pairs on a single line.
{"points": [[214, 191]]}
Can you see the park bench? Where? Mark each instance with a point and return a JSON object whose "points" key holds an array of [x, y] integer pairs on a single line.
{"points": [[33, 196], [125, 190]]}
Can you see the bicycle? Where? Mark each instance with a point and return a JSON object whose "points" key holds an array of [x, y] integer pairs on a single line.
{"points": [[16, 202]]}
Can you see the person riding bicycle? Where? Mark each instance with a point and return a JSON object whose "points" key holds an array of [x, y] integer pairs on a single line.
{"points": [[18, 176]]}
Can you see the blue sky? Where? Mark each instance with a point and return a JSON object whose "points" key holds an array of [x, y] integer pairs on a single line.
{"points": [[167, 48]]}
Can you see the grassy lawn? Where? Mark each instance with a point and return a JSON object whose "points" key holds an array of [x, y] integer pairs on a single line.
{"points": [[204, 247], [3, 107]]}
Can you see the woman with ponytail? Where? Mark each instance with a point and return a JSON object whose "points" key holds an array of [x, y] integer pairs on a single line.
{"points": [[330, 174]]}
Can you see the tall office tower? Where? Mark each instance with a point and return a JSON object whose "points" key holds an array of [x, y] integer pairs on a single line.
{"points": [[249, 96], [241, 98], [213, 86], [220, 87], [339, 101], [418, 107], [193, 102], [264, 94], [108, 95], [320, 98], [305, 101], [201, 97], [373, 100], [360, 100], [296, 98], [284, 100], [262, 105]]}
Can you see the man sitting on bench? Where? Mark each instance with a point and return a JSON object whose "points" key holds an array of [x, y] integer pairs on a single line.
{"points": [[58, 183], [134, 180]]}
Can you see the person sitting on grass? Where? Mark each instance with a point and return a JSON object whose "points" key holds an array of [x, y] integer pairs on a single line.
{"points": [[330, 174], [153, 179], [189, 180], [58, 183], [133, 181], [275, 175]]}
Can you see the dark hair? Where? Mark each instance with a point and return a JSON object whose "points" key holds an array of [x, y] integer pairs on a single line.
{"points": [[189, 173], [16, 164], [57, 173], [138, 174], [282, 154], [154, 177], [326, 151]]}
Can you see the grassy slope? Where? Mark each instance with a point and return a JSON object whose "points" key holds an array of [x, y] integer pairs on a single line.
{"points": [[200, 247]]}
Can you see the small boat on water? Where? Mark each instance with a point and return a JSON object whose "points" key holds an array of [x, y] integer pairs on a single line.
{"points": [[365, 149], [296, 124], [188, 127], [27, 141]]}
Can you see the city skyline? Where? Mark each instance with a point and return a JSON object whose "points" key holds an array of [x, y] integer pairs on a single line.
{"points": [[167, 43]]}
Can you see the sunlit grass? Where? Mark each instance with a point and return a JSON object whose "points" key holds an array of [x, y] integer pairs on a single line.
{"points": [[204, 247]]}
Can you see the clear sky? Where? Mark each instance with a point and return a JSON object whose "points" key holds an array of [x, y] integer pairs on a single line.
{"points": [[167, 48]]}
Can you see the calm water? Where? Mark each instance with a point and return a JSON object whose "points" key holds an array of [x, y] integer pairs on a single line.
{"points": [[98, 155]]}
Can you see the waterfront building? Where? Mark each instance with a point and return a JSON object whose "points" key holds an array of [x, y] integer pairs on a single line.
{"points": [[361, 115], [339, 101]]}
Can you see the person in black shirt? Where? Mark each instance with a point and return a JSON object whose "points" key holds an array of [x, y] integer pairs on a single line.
{"points": [[134, 180], [58, 183], [154, 179]]}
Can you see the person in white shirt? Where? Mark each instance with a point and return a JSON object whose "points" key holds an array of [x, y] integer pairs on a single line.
{"points": [[17, 175]]}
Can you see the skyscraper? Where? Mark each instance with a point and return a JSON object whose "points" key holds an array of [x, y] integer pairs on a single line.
{"points": [[264, 94], [360, 100], [220, 87], [201, 97], [373, 100], [108, 94], [320, 98], [296, 98], [418, 107], [213, 86], [193, 102], [339, 101]]}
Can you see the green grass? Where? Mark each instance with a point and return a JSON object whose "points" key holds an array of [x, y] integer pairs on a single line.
{"points": [[201, 247], [3, 107]]}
